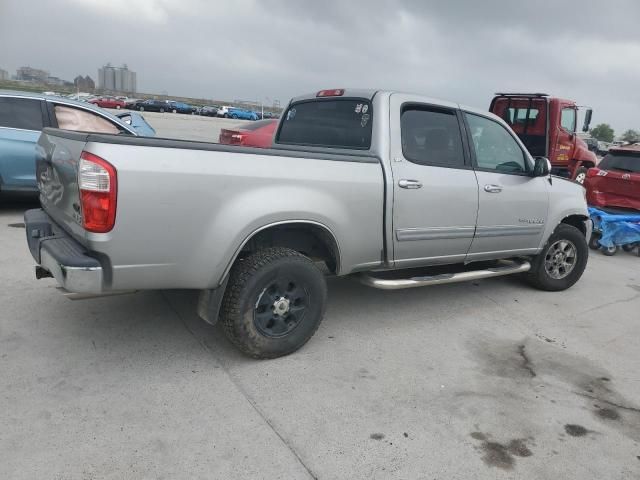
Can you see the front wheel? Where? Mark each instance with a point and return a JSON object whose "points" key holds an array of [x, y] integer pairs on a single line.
{"points": [[162, 110], [581, 175], [141, 109], [274, 302], [609, 251], [117, 107], [562, 260]]}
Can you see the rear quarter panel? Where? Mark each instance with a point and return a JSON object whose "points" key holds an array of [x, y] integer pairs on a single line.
{"points": [[183, 214]]}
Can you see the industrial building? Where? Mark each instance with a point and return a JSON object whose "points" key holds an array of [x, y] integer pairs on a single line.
{"points": [[117, 79]]}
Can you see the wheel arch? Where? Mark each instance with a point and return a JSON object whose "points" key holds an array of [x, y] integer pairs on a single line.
{"points": [[308, 237], [577, 221]]}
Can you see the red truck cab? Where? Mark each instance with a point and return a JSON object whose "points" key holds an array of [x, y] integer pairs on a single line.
{"points": [[548, 128]]}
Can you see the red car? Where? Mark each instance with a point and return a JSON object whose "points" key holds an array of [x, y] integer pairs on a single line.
{"points": [[108, 102], [256, 134], [615, 182]]}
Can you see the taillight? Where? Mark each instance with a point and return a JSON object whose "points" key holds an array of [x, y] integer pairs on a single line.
{"points": [[98, 193], [336, 92], [593, 172]]}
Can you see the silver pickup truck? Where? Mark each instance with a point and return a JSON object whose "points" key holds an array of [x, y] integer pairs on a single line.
{"points": [[393, 189]]}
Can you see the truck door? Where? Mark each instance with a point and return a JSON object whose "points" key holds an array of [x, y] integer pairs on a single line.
{"points": [[512, 204], [435, 192], [564, 123]]}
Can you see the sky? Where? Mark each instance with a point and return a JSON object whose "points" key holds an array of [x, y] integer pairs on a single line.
{"points": [[457, 50]]}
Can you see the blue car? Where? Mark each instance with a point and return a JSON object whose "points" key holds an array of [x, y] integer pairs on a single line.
{"points": [[24, 115], [240, 114]]}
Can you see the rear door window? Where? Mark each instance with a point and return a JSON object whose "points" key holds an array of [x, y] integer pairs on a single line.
{"points": [[22, 113], [336, 123], [431, 137]]}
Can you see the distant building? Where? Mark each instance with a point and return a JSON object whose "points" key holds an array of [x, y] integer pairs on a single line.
{"points": [[117, 79], [32, 75], [4, 75], [84, 84]]}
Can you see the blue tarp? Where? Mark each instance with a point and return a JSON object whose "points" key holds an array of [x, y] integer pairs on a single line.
{"points": [[616, 229]]}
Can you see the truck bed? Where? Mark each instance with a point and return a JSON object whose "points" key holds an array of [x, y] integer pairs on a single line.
{"points": [[185, 209]]}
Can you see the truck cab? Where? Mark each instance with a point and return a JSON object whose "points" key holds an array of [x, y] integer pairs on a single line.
{"points": [[548, 128]]}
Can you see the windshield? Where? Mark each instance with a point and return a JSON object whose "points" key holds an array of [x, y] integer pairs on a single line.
{"points": [[625, 163], [334, 123]]}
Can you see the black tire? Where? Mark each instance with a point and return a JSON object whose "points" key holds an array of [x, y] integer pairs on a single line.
{"points": [[541, 278], [174, 111], [161, 110], [628, 247], [581, 175], [257, 287], [609, 251], [141, 109], [594, 241]]}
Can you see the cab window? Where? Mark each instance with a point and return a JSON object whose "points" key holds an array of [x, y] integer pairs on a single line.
{"points": [[568, 119], [494, 147], [431, 137]]}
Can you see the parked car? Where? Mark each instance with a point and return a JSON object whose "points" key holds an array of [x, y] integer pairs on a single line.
{"points": [[181, 107], [224, 111], [151, 106], [208, 111], [108, 102], [257, 134], [241, 114], [615, 182], [603, 148], [24, 115], [592, 144], [357, 181]]}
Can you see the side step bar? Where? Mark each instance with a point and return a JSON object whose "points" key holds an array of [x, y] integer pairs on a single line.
{"points": [[507, 267]]}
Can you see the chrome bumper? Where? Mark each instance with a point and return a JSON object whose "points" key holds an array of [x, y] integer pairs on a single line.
{"points": [[60, 256], [72, 279]]}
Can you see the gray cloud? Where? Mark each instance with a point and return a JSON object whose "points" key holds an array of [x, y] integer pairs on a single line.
{"points": [[250, 49]]}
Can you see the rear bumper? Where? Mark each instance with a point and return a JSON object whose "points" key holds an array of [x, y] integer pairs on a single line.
{"points": [[60, 255]]}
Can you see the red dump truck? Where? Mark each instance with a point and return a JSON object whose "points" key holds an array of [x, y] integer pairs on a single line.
{"points": [[547, 126]]}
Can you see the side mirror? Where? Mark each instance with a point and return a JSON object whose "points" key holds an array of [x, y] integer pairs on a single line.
{"points": [[541, 167], [587, 120]]}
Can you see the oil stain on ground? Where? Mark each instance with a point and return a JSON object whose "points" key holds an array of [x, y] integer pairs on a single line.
{"points": [[501, 455], [530, 363]]}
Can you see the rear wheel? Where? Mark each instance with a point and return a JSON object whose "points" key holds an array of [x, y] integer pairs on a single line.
{"points": [[628, 247], [609, 251], [594, 241], [141, 109], [581, 175], [162, 110], [174, 111], [562, 260], [274, 302]]}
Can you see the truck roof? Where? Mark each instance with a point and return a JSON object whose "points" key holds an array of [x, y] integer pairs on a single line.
{"points": [[370, 93]]}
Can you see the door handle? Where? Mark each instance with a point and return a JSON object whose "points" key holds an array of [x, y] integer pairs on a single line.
{"points": [[492, 188], [410, 184]]}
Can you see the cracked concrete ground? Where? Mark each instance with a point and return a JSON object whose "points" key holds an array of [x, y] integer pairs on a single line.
{"points": [[489, 379], [479, 380]]}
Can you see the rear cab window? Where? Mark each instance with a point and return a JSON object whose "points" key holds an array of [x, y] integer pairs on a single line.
{"points": [[328, 122], [621, 161]]}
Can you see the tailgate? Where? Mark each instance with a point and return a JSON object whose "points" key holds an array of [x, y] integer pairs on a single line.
{"points": [[57, 158]]}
